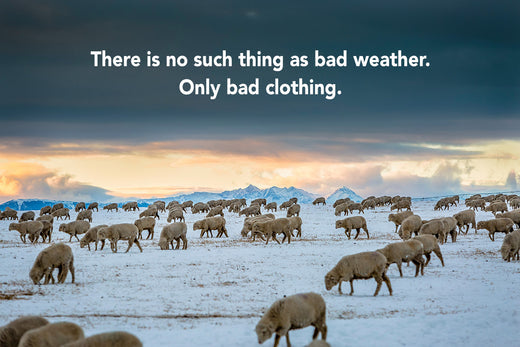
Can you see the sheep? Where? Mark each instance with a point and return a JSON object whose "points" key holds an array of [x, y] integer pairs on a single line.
{"points": [[511, 246], [187, 204], [110, 339], [173, 203], [200, 207], [430, 244], [45, 233], [356, 206], [398, 218], [400, 205], [9, 214], [342, 208], [75, 228], [497, 207], [320, 200], [62, 213], [130, 206], [123, 231], [161, 205], [295, 223], [175, 231], [206, 225], [59, 256], [450, 228], [175, 214], [33, 228], [110, 207], [272, 206], [356, 222], [151, 211], [47, 217], [235, 207], [409, 226], [260, 201], [410, 250], [285, 205], [339, 202], [45, 210], [146, 223], [27, 216], [54, 334], [217, 210], [80, 206], [293, 210], [503, 225], [369, 204], [249, 221], [465, 218], [513, 215], [11, 333], [476, 203], [85, 214], [91, 236], [250, 211], [434, 227], [57, 206], [271, 228], [92, 206], [442, 204], [293, 312], [364, 265], [515, 203]]}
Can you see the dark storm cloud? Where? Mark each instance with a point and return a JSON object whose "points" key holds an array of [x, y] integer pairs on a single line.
{"points": [[52, 91]]}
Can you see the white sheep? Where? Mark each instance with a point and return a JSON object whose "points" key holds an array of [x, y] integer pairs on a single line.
{"points": [[123, 231], [175, 231], [411, 225], [405, 251], [33, 228], [430, 244], [398, 218], [50, 335], [145, 223], [511, 246], [75, 228], [11, 333], [356, 222], [464, 219], [58, 256], [110, 339], [91, 236]]}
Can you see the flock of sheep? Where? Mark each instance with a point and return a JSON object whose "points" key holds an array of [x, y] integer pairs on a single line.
{"points": [[293, 312]]}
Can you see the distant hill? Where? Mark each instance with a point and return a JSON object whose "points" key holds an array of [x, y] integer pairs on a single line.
{"points": [[343, 193]]}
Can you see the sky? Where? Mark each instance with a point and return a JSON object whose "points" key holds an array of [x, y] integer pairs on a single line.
{"points": [[74, 131]]}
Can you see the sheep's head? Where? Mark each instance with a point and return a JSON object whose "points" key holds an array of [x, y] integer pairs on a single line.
{"points": [[339, 224], [13, 226], [331, 280], [36, 274], [63, 227], [83, 242], [264, 332], [197, 225], [505, 251], [163, 244], [481, 225]]}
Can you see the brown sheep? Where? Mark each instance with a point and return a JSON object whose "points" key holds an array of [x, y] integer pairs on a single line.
{"points": [[342, 208], [62, 213], [85, 214], [295, 224], [369, 204], [285, 205], [430, 244], [110, 339], [33, 228], [80, 206], [175, 231], [356, 206], [11, 333], [513, 215], [91, 236], [511, 246], [398, 218], [55, 256], [175, 214], [161, 205], [75, 228], [45, 210], [9, 214], [364, 265], [435, 227], [92, 206], [123, 231], [110, 207], [293, 312], [130, 206], [269, 229], [356, 222], [217, 210], [46, 231], [464, 219], [206, 225], [151, 211], [249, 221], [187, 204], [411, 225], [250, 211], [320, 200], [502, 225], [476, 203], [272, 206], [200, 207], [57, 206], [293, 210], [27, 216], [401, 205], [145, 223], [50, 335], [260, 201], [397, 252], [497, 207]]}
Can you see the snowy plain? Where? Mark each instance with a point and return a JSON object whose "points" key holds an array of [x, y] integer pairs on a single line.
{"points": [[214, 293]]}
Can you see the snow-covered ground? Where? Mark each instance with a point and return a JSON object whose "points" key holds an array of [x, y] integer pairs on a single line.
{"points": [[214, 293]]}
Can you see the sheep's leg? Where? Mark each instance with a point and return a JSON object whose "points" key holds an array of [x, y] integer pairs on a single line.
{"points": [[399, 264], [225, 231], [387, 281], [276, 340], [347, 232], [491, 236], [428, 256], [70, 240], [315, 333], [102, 245], [396, 226], [76, 237], [130, 243], [113, 245], [64, 273], [299, 234], [273, 235], [184, 242], [287, 339], [138, 245], [351, 287]]}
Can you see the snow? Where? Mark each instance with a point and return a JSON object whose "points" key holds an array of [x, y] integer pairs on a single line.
{"points": [[214, 293]]}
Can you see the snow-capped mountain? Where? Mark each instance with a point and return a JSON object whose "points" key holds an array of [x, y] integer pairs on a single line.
{"points": [[343, 193]]}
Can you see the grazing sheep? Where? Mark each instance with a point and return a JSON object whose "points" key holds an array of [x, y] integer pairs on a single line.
{"points": [[450, 228], [364, 265], [250, 211], [75, 228], [45, 210], [161, 205], [11, 333], [369, 204], [341, 201], [33, 228], [151, 211], [62, 213], [146, 223], [217, 210], [110, 207], [110, 339], [200, 207], [319, 201], [272, 206], [47, 218], [502, 225], [295, 223], [45, 233], [85, 214], [409, 226], [293, 312], [92, 206], [9, 214], [511, 246], [130, 206], [123, 231], [398, 218], [410, 250], [206, 225], [260, 201], [175, 231], [434, 227], [285, 205], [55, 256], [27, 216], [342, 208], [515, 203], [187, 204], [430, 244], [401, 205], [80, 206], [173, 203], [497, 207], [91, 236], [175, 214], [235, 207], [442, 204], [356, 222], [513, 215], [465, 218], [249, 221], [51, 335], [270, 228], [57, 206], [476, 203], [356, 206], [293, 210]]}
